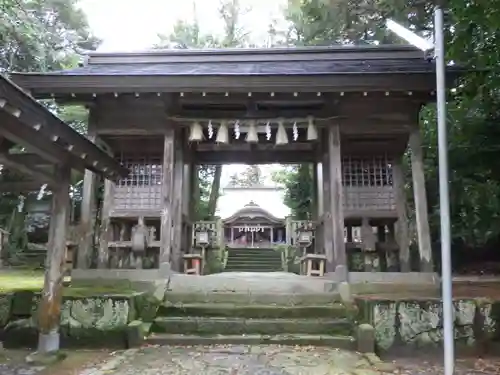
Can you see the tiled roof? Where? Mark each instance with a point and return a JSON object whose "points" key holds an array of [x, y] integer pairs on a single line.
{"points": [[315, 67]]}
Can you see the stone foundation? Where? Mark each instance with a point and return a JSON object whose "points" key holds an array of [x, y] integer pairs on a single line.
{"points": [[98, 321], [419, 322]]}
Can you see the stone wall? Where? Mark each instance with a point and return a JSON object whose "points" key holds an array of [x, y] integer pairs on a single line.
{"points": [[419, 322], [100, 320]]}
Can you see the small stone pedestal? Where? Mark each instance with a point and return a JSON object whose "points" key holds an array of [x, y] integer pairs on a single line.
{"points": [[193, 264], [365, 338], [313, 265]]}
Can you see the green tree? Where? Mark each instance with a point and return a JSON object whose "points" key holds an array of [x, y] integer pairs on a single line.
{"points": [[39, 35], [297, 180], [251, 176], [474, 109], [188, 35]]}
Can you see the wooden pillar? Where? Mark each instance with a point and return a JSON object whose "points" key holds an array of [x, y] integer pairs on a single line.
{"points": [[336, 199], [177, 206], [50, 305], [105, 229], [86, 227], [167, 197], [402, 224], [420, 196], [327, 218]]}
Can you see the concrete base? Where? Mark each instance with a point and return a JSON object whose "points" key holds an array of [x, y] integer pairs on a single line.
{"points": [[48, 343], [251, 282], [265, 282], [163, 273]]}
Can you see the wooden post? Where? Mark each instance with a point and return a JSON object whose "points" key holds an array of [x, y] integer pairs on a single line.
{"points": [[369, 244], [86, 228], [177, 206], [402, 223], [50, 305], [105, 229], [327, 217], [167, 196], [420, 196], [336, 199]]}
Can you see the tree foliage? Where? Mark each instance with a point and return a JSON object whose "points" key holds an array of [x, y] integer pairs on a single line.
{"points": [[187, 35], [297, 180], [39, 35], [251, 176], [474, 109]]}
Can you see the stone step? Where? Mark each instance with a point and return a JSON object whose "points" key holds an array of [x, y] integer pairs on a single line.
{"points": [[250, 283], [254, 259], [242, 266], [341, 342], [334, 311], [254, 256], [259, 252], [276, 299], [252, 269], [244, 326]]}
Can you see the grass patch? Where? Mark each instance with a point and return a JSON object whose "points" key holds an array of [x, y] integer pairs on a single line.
{"points": [[15, 280], [97, 290], [32, 280]]}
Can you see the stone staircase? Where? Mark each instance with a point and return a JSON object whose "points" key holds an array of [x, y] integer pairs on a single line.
{"points": [[253, 260], [253, 318]]}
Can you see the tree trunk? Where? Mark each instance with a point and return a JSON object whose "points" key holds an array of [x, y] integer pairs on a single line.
{"points": [[214, 191]]}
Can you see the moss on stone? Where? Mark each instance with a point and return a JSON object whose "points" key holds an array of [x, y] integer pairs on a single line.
{"points": [[22, 302], [5, 309], [253, 311], [419, 321], [146, 306]]}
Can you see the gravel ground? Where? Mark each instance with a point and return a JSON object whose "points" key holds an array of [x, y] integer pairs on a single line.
{"points": [[255, 360]]}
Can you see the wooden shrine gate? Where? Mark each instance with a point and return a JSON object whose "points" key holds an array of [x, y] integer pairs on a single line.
{"points": [[350, 112]]}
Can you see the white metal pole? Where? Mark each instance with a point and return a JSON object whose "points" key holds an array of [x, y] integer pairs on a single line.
{"points": [[444, 199]]}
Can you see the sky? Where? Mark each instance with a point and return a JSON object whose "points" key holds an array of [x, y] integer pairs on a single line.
{"points": [[131, 25]]}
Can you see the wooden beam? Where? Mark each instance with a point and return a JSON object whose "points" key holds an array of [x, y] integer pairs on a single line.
{"points": [[105, 229], [177, 204], [327, 209], [50, 305], [253, 157], [247, 147], [46, 85], [30, 170], [167, 197], [336, 195], [253, 114], [20, 186], [29, 138], [420, 196], [402, 237], [36, 116], [87, 207]]}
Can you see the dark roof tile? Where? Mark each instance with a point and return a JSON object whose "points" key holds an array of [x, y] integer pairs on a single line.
{"points": [[318, 67]]}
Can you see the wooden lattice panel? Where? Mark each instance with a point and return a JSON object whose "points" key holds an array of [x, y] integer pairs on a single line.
{"points": [[367, 183], [141, 189]]}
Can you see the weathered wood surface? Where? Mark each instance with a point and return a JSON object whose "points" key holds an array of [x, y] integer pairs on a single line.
{"points": [[86, 230], [420, 196], [178, 188], [50, 305], [327, 217], [105, 228], [336, 195], [167, 196], [402, 236]]}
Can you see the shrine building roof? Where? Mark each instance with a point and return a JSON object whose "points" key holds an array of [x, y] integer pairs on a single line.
{"points": [[217, 69]]}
